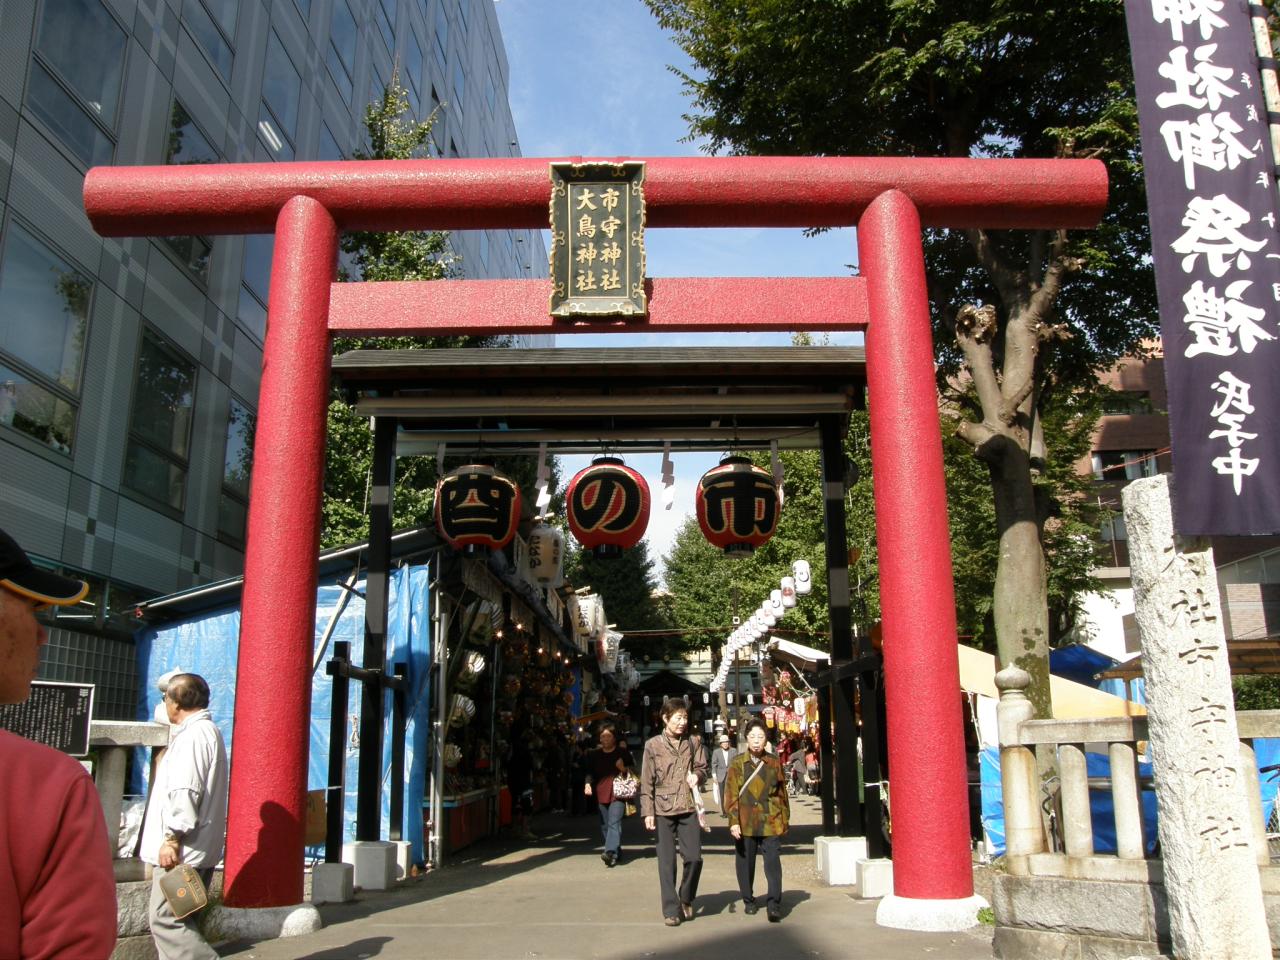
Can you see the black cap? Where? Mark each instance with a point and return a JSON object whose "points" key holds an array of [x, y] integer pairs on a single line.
{"points": [[19, 574]]}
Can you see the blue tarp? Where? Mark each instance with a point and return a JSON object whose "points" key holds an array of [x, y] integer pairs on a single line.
{"points": [[1104, 826], [1081, 664], [208, 643]]}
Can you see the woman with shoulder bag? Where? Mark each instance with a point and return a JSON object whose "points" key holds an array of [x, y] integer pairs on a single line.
{"points": [[673, 770], [611, 759], [755, 801]]}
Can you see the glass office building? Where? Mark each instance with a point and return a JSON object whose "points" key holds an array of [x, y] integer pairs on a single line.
{"points": [[129, 368]]}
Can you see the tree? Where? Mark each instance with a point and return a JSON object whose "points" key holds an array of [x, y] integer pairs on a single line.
{"points": [[1030, 316], [408, 255], [628, 587]]}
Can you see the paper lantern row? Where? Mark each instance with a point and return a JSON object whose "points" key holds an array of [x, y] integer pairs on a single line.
{"points": [[607, 506]]}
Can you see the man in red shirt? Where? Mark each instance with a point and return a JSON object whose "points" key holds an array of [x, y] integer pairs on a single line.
{"points": [[57, 889]]}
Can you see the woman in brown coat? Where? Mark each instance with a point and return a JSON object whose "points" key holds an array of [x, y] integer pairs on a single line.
{"points": [[755, 801], [674, 765]]}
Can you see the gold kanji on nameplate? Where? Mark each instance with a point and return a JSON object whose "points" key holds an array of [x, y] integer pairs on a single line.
{"points": [[597, 240]]}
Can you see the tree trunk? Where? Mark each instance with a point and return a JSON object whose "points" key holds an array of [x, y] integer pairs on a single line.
{"points": [[1019, 606]]}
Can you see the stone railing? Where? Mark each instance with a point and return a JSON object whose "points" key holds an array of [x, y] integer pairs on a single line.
{"points": [[113, 740], [1026, 846]]}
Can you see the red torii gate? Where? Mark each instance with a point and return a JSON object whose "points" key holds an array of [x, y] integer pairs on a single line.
{"points": [[308, 204]]}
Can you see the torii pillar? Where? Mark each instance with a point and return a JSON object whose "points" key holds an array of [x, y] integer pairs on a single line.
{"points": [[888, 199]]}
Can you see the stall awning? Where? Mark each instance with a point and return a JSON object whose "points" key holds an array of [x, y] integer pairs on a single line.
{"points": [[798, 655]]}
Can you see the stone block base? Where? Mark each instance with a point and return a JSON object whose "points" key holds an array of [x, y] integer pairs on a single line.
{"points": [[134, 948], [874, 879], [835, 859], [933, 916], [259, 923], [332, 883], [374, 862], [1010, 943], [404, 858]]}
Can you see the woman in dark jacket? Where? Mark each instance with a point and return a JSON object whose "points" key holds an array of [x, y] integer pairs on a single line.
{"points": [[755, 801], [603, 764], [674, 766]]}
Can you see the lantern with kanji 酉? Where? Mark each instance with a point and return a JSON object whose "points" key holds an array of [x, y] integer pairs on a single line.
{"points": [[607, 505], [737, 506], [476, 506]]}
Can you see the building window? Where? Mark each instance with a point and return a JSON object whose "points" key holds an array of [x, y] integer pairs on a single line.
{"points": [[160, 424], [343, 35], [329, 149], [442, 33], [188, 145], [44, 319], [1124, 464], [255, 288], [413, 64], [209, 35], [1120, 402], [281, 93], [237, 464], [75, 76], [384, 12], [1113, 528], [459, 86]]}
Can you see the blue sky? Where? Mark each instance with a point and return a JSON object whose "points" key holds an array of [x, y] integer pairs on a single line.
{"points": [[591, 78]]}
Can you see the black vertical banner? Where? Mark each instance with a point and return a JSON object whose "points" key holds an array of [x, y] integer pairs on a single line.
{"points": [[1211, 197]]}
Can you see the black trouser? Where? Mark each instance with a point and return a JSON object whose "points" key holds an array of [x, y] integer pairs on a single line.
{"points": [[744, 861], [683, 830]]}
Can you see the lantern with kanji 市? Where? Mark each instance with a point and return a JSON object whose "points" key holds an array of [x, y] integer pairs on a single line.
{"points": [[737, 506], [476, 506], [607, 505]]}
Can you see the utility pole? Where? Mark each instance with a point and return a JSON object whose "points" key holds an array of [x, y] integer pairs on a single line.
{"points": [[737, 670]]}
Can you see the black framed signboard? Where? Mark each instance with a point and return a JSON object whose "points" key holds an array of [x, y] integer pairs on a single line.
{"points": [[56, 714], [597, 240]]}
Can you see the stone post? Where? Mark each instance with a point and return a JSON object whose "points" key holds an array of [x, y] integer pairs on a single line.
{"points": [[1019, 781], [1210, 875]]}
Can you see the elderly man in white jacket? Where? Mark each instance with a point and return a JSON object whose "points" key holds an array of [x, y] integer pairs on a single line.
{"points": [[187, 815]]}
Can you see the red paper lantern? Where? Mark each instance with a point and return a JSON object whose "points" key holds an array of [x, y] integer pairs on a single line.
{"points": [[607, 505], [476, 506], [737, 506]]}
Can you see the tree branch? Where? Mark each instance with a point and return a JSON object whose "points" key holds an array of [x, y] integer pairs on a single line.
{"points": [[975, 329]]}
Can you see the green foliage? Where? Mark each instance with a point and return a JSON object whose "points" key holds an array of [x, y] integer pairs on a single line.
{"points": [[958, 78], [986, 916], [708, 588], [1257, 692], [628, 586], [410, 255]]}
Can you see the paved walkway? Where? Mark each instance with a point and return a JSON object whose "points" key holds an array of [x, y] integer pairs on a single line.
{"points": [[553, 899]]}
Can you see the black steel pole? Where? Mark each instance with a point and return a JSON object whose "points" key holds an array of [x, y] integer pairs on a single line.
{"points": [[846, 764], [399, 697], [870, 695], [827, 754], [368, 807], [334, 797]]}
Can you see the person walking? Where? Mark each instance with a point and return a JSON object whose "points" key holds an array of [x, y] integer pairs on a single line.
{"points": [[721, 757], [674, 766], [57, 889], [603, 764], [759, 815], [187, 819]]}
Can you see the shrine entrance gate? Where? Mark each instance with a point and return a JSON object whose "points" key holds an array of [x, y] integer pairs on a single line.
{"points": [[888, 200]]}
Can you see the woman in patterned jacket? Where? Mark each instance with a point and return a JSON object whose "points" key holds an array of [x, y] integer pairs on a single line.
{"points": [[755, 801]]}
